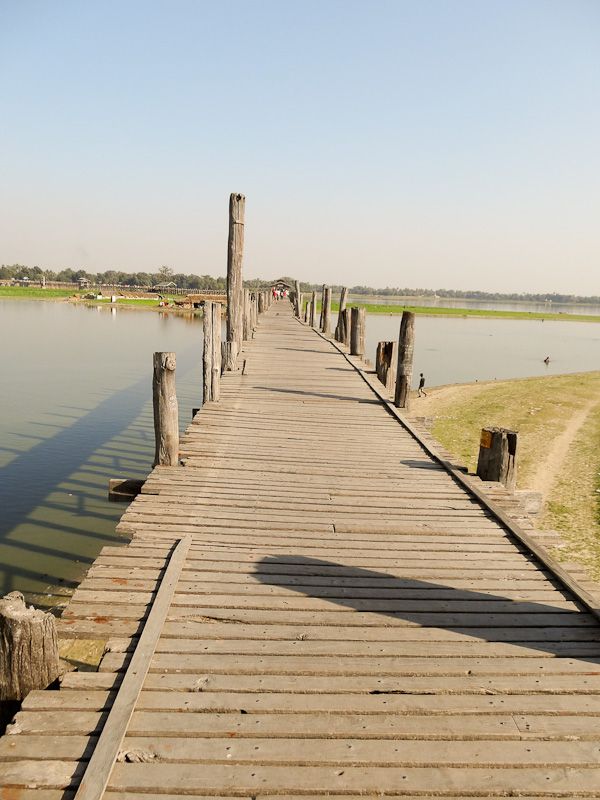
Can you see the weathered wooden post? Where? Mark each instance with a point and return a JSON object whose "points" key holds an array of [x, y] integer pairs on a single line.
{"points": [[247, 319], [215, 383], [357, 332], [166, 417], [498, 456], [235, 253], [28, 648], [338, 328], [327, 311], [322, 307], [386, 363], [207, 351], [313, 309], [406, 345], [298, 298]]}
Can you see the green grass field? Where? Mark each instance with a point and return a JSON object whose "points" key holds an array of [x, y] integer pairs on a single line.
{"points": [[35, 293], [469, 312]]}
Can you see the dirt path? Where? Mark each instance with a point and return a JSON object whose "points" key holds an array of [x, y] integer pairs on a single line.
{"points": [[548, 471]]}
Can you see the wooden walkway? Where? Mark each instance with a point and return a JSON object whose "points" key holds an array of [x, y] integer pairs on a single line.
{"points": [[346, 619]]}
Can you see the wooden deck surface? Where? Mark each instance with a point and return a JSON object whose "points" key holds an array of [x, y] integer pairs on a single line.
{"points": [[347, 621]]}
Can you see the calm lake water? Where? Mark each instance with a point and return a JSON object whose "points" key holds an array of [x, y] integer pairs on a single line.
{"points": [[465, 349], [487, 305], [75, 410]]}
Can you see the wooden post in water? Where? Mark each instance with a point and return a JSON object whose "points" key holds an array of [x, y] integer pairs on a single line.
{"points": [[235, 253], [313, 309], [166, 418], [327, 311], [406, 345], [207, 352], [28, 648], [386, 363], [298, 298], [338, 327], [498, 456], [357, 332], [215, 384]]}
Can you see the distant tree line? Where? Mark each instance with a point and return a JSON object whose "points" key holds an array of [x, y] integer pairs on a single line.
{"points": [[206, 282]]}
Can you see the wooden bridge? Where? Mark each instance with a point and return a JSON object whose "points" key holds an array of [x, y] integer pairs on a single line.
{"points": [[317, 604]]}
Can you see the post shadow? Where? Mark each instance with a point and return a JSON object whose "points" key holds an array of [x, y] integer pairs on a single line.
{"points": [[558, 631]]}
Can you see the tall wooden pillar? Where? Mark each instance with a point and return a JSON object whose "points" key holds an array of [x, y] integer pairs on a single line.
{"points": [[406, 345], [166, 415], [313, 309], [327, 311], [357, 332], [215, 384], [235, 253], [338, 327]]}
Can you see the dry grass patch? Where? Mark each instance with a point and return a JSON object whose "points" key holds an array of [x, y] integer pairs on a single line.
{"points": [[555, 455]]}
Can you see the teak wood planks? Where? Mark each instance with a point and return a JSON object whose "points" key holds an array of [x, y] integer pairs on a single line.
{"points": [[349, 619]]}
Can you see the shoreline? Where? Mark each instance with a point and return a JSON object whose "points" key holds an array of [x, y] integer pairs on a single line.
{"points": [[370, 308]]}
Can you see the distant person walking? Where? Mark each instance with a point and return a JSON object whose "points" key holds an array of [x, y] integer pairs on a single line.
{"points": [[421, 392]]}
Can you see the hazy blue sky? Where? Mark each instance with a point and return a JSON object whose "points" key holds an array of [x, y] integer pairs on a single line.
{"points": [[427, 143]]}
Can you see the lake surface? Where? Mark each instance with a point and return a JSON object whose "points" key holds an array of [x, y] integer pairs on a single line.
{"points": [[465, 349], [486, 305], [76, 410]]}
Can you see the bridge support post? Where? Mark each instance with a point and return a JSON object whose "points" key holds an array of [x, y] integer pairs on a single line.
{"points": [[357, 332], [386, 363], [326, 311], [207, 352], [338, 328], [406, 345], [235, 252], [166, 416], [215, 382], [29, 650], [498, 456], [298, 299], [313, 309], [247, 334]]}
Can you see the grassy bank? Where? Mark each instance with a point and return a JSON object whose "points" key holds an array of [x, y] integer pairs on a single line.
{"points": [[558, 419], [372, 308], [31, 293]]}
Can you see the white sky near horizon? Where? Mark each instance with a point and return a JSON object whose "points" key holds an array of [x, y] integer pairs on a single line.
{"points": [[435, 144]]}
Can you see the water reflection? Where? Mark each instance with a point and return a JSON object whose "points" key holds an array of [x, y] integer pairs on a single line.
{"points": [[78, 412]]}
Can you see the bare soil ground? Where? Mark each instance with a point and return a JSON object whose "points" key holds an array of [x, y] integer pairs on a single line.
{"points": [[558, 419]]}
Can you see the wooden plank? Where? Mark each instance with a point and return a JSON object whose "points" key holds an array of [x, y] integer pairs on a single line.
{"points": [[97, 774]]}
